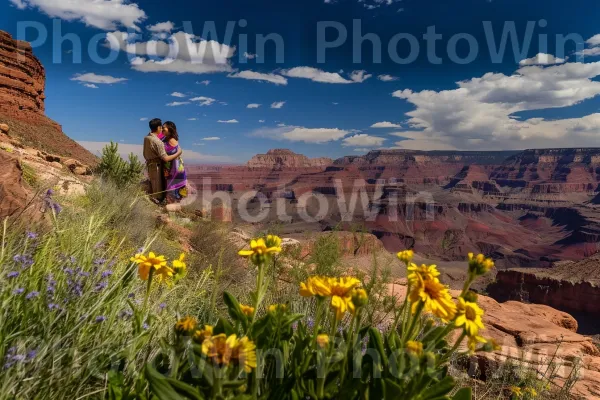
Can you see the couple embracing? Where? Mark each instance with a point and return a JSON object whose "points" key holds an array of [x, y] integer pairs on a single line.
{"points": [[166, 171]]}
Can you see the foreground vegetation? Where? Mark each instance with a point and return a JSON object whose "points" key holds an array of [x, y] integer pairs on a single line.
{"points": [[101, 302]]}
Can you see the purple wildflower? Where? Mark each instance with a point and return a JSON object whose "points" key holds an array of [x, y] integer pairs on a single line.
{"points": [[100, 286], [31, 295], [162, 306], [100, 318], [31, 354], [68, 271], [53, 306], [146, 326], [18, 291], [100, 261], [49, 192], [32, 235], [126, 314], [12, 274], [107, 273]]}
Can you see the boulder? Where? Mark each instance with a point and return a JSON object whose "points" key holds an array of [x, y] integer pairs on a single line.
{"points": [[14, 198], [56, 165], [4, 128]]}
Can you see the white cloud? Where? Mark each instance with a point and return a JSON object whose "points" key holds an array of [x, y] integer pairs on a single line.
{"points": [[363, 140], [137, 149], [253, 105], [90, 85], [167, 26], [363, 150], [301, 134], [143, 119], [387, 78], [178, 94], [249, 56], [259, 76], [479, 114], [203, 100], [98, 79], [229, 121], [211, 139], [385, 124], [317, 75], [335, 103], [192, 119], [593, 41], [261, 121], [206, 83], [180, 53], [542, 59], [278, 104], [178, 103], [101, 14]]}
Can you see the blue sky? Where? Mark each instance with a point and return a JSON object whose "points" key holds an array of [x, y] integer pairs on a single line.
{"points": [[229, 106]]}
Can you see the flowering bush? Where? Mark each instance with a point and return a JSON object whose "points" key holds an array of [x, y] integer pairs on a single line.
{"points": [[269, 351]]}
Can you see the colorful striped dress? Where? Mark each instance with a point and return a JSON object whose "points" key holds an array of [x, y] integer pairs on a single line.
{"points": [[175, 176]]}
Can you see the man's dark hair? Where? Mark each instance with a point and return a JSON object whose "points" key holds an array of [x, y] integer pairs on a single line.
{"points": [[155, 124]]}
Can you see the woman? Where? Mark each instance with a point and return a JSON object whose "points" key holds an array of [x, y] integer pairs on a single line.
{"points": [[175, 176]]}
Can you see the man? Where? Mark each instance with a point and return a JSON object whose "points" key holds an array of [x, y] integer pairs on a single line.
{"points": [[155, 155]]}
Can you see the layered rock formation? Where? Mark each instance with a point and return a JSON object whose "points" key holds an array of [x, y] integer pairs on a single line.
{"points": [[22, 97], [386, 157], [278, 159]]}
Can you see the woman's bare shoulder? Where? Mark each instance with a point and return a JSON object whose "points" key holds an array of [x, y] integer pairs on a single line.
{"points": [[173, 142]]}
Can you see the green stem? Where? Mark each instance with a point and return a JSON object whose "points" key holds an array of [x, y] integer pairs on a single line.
{"points": [[148, 287], [406, 336], [453, 349]]}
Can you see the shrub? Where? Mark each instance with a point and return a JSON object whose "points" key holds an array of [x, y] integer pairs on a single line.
{"points": [[115, 169]]}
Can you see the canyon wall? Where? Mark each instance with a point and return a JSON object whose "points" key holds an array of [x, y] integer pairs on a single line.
{"points": [[284, 158]]}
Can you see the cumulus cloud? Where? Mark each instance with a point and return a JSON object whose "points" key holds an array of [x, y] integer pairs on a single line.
{"points": [[385, 124], [363, 140], [192, 119], [178, 103], [97, 79], [480, 113], [278, 104], [205, 83], [178, 94], [90, 85], [259, 76], [249, 56], [101, 14], [301, 134], [229, 121], [387, 78], [593, 44], [317, 75], [261, 121], [143, 119], [167, 26], [137, 149], [542, 59], [203, 100], [180, 53], [253, 105]]}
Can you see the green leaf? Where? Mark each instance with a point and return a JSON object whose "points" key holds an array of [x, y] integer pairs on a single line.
{"points": [[223, 326], [392, 390], [160, 386], [377, 341], [234, 309], [439, 389], [463, 394]]}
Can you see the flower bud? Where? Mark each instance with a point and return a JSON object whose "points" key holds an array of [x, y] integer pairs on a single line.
{"points": [[359, 297]]}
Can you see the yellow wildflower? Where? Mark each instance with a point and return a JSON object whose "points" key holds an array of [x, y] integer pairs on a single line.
{"points": [[277, 307], [145, 264], [273, 241], [315, 286], [469, 316], [223, 351], [531, 391], [259, 251], [479, 265], [406, 256], [180, 265], [473, 341], [164, 273], [435, 297], [340, 291], [186, 325], [202, 334], [414, 347], [247, 310], [359, 297], [323, 340], [516, 391], [422, 272]]}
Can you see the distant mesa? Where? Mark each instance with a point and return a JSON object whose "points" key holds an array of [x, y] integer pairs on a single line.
{"points": [[285, 158]]}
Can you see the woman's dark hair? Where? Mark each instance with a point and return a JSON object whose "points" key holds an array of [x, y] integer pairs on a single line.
{"points": [[155, 124], [172, 130]]}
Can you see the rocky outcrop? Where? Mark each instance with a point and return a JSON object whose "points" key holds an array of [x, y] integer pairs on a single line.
{"points": [[22, 103], [386, 157], [568, 286], [532, 336], [13, 195], [349, 243], [22, 77], [278, 159]]}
